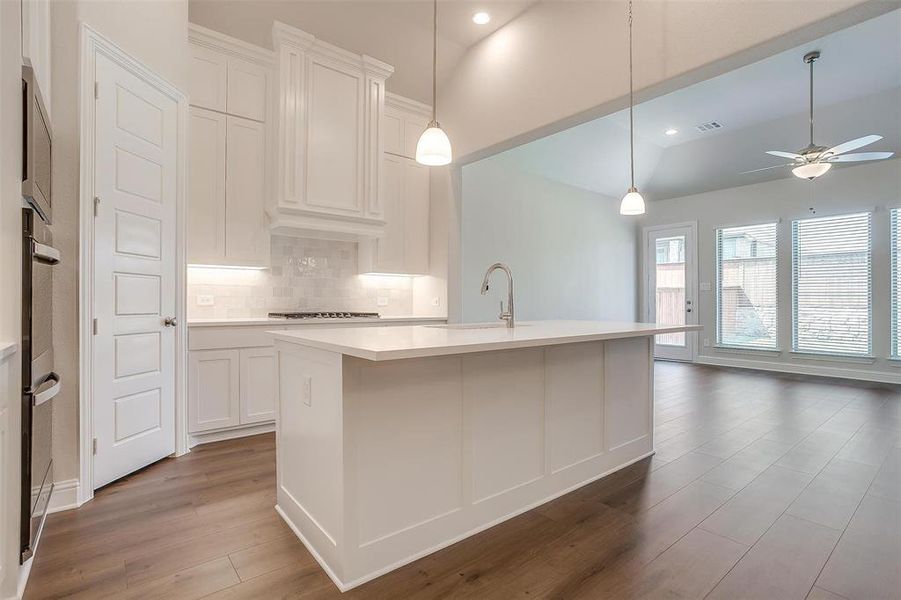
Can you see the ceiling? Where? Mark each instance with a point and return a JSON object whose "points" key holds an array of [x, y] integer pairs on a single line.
{"points": [[762, 106], [398, 32]]}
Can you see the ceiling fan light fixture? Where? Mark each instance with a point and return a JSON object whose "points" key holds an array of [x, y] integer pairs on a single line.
{"points": [[632, 204], [811, 170]]}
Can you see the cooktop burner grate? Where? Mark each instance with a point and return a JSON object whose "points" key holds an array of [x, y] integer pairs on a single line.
{"points": [[324, 315]]}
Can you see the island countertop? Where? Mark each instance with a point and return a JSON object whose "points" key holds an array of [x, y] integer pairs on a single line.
{"points": [[401, 342]]}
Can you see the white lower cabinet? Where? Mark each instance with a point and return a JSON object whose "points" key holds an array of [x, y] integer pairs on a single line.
{"points": [[213, 396], [230, 388], [259, 385]]}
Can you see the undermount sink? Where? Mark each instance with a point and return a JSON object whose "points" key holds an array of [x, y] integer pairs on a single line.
{"points": [[473, 326]]}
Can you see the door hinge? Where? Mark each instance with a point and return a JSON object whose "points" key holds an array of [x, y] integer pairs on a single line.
{"points": [[95, 326], [96, 90], [96, 205], [94, 446]]}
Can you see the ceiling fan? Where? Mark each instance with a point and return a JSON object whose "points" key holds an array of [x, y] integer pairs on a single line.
{"points": [[813, 161]]}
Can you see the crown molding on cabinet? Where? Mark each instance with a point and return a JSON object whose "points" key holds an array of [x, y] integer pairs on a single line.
{"points": [[282, 33], [228, 45], [407, 105]]}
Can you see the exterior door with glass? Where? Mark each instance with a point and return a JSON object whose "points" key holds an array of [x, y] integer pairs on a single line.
{"points": [[670, 290]]}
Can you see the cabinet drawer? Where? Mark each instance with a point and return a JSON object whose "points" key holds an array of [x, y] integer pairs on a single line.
{"points": [[212, 338]]}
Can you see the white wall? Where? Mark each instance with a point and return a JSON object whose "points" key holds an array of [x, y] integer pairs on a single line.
{"points": [[874, 186], [10, 290], [156, 33], [572, 255]]}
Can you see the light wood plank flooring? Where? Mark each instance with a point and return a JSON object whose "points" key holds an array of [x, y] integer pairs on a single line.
{"points": [[763, 486]]}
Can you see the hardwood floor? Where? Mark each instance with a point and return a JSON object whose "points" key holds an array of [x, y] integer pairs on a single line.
{"points": [[763, 486]]}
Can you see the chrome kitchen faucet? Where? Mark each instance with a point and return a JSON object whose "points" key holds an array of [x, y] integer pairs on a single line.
{"points": [[506, 315]]}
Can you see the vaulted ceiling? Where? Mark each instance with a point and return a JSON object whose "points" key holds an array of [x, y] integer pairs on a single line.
{"points": [[398, 32]]}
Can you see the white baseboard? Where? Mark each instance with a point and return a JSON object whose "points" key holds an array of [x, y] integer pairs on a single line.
{"points": [[64, 497], [857, 374], [195, 439], [24, 572]]}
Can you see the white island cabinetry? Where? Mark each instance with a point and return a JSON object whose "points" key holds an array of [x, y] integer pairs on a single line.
{"points": [[233, 375], [393, 443]]}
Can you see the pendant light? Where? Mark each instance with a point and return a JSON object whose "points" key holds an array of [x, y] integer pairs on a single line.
{"points": [[633, 203], [434, 147]]}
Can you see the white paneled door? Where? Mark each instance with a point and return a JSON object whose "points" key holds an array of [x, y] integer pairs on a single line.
{"points": [[135, 182], [670, 288]]}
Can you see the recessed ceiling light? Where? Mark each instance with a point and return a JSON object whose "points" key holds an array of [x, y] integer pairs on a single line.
{"points": [[481, 18], [671, 131]]}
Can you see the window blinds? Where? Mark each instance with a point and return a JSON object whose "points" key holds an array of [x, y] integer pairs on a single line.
{"points": [[831, 285], [895, 220], [746, 290]]}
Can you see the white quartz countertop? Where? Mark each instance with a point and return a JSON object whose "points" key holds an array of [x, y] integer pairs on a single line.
{"points": [[391, 343], [278, 321]]}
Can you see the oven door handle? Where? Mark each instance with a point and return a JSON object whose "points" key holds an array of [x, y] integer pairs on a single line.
{"points": [[45, 392], [44, 253]]}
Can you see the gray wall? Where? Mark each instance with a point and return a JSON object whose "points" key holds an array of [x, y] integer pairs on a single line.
{"points": [[573, 256], [868, 187]]}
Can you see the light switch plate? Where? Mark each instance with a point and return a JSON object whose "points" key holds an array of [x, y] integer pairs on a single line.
{"points": [[382, 301], [204, 300], [706, 286], [436, 301]]}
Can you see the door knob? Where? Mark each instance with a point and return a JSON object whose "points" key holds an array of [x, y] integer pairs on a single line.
{"points": [[170, 322]]}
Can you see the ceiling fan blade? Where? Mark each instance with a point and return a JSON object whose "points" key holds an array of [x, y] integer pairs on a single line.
{"points": [[852, 145], [860, 156], [780, 154], [767, 168]]}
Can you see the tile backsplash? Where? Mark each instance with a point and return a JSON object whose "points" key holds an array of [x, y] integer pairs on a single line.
{"points": [[305, 274]]}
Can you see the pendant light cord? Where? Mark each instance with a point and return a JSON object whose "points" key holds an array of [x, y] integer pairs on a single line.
{"points": [[631, 103], [435, 62]]}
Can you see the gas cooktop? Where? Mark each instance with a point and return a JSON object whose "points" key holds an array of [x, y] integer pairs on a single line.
{"points": [[324, 315]]}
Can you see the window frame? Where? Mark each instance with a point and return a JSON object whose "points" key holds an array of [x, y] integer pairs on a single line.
{"points": [[894, 283], [868, 355], [718, 343]]}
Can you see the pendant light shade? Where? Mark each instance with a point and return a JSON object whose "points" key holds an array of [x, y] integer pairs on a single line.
{"points": [[434, 148], [633, 203], [811, 171]]}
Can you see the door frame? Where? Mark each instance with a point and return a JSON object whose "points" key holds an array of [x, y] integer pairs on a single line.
{"points": [[91, 45], [692, 289]]}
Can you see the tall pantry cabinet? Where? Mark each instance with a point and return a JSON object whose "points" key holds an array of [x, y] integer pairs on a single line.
{"points": [[228, 150]]}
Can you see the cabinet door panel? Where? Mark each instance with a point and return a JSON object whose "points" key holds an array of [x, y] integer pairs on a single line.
{"points": [[416, 218], [334, 140], [259, 385], [206, 187], [245, 234], [208, 78], [246, 90], [413, 128], [389, 254], [213, 400], [393, 132]]}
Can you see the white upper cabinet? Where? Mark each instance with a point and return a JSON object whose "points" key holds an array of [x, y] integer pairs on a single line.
{"points": [[231, 85], [246, 239], [405, 194], [206, 186], [405, 120], [209, 77], [246, 89], [330, 128]]}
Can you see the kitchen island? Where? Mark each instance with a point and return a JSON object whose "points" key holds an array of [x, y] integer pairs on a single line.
{"points": [[395, 442]]}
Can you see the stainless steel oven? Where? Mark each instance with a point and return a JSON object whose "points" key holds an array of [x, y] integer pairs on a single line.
{"points": [[36, 147], [40, 383]]}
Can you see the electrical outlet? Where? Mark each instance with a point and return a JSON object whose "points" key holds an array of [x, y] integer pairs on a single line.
{"points": [[307, 390], [706, 342], [706, 286], [382, 301], [205, 300], [436, 301]]}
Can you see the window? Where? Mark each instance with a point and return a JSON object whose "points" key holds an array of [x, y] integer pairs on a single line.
{"points": [[831, 293], [746, 300], [895, 218]]}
